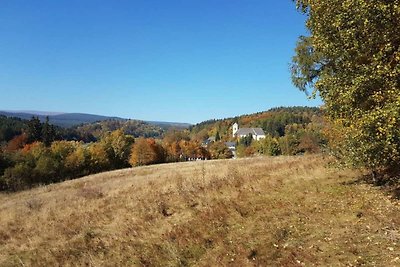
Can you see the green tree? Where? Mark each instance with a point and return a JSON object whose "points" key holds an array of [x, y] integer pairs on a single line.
{"points": [[34, 130], [5, 162], [48, 134], [247, 140], [16, 178], [269, 146], [352, 60]]}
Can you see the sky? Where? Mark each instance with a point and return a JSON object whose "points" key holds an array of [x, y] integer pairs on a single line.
{"points": [[183, 61]]}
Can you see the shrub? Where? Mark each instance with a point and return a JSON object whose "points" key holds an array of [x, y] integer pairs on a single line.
{"points": [[18, 177], [218, 150]]}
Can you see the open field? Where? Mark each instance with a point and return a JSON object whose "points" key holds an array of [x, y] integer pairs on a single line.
{"points": [[282, 211]]}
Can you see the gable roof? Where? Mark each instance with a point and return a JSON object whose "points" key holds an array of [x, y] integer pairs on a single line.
{"points": [[252, 131], [258, 131]]}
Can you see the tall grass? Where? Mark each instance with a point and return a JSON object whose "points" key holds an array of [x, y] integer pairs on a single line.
{"points": [[281, 211]]}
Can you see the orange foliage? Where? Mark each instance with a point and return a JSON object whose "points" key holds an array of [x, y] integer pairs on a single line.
{"points": [[17, 143], [35, 148], [145, 152]]}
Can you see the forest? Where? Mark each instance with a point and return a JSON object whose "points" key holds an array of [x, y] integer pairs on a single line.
{"points": [[36, 153]]}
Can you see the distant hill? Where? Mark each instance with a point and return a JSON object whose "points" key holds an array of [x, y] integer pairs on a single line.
{"points": [[63, 120], [44, 113], [74, 119]]}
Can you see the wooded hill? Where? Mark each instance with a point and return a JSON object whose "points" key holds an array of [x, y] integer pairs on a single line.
{"points": [[11, 127], [136, 128], [68, 120], [274, 122]]}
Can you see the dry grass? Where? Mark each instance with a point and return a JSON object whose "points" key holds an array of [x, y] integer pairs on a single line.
{"points": [[284, 211]]}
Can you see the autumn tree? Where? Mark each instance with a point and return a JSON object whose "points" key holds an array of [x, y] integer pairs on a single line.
{"points": [[218, 150], [77, 163], [98, 158], [173, 151], [60, 151], [352, 60], [269, 146], [174, 135], [118, 146], [24, 172], [17, 142], [245, 151], [145, 152]]}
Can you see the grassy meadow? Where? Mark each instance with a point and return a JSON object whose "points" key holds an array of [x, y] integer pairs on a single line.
{"points": [[262, 211]]}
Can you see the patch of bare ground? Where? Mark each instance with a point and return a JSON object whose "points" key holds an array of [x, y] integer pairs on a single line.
{"points": [[282, 211]]}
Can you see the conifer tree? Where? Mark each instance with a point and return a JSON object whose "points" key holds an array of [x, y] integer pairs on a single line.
{"points": [[34, 130], [48, 133]]}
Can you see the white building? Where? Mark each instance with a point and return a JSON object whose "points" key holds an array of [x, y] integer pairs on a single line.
{"points": [[257, 133]]}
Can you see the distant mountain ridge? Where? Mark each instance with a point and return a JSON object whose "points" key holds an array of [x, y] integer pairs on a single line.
{"points": [[74, 119], [44, 113]]}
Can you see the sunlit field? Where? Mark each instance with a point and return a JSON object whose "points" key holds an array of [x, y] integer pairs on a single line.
{"points": [[263, 211]]}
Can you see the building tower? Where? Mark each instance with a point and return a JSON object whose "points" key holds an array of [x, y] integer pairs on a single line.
{"points": [[235, 128]]}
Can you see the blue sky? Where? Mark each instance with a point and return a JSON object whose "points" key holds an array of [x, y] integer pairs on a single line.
{"points": [[186, 61]]}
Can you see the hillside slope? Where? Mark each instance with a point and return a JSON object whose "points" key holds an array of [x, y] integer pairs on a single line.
{"points": [[274, 122], [282, 211]]}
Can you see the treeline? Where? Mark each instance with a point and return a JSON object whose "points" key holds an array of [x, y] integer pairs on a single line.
{"points": [[292, 127], [273, 122], [40, 153], [297, 139], [135, 128], [36, 130], [10, 127], [36, 164]]}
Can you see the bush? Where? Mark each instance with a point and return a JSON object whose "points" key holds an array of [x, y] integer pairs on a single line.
{"points": [[218, 150], [269, 146], [18, 177]]}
